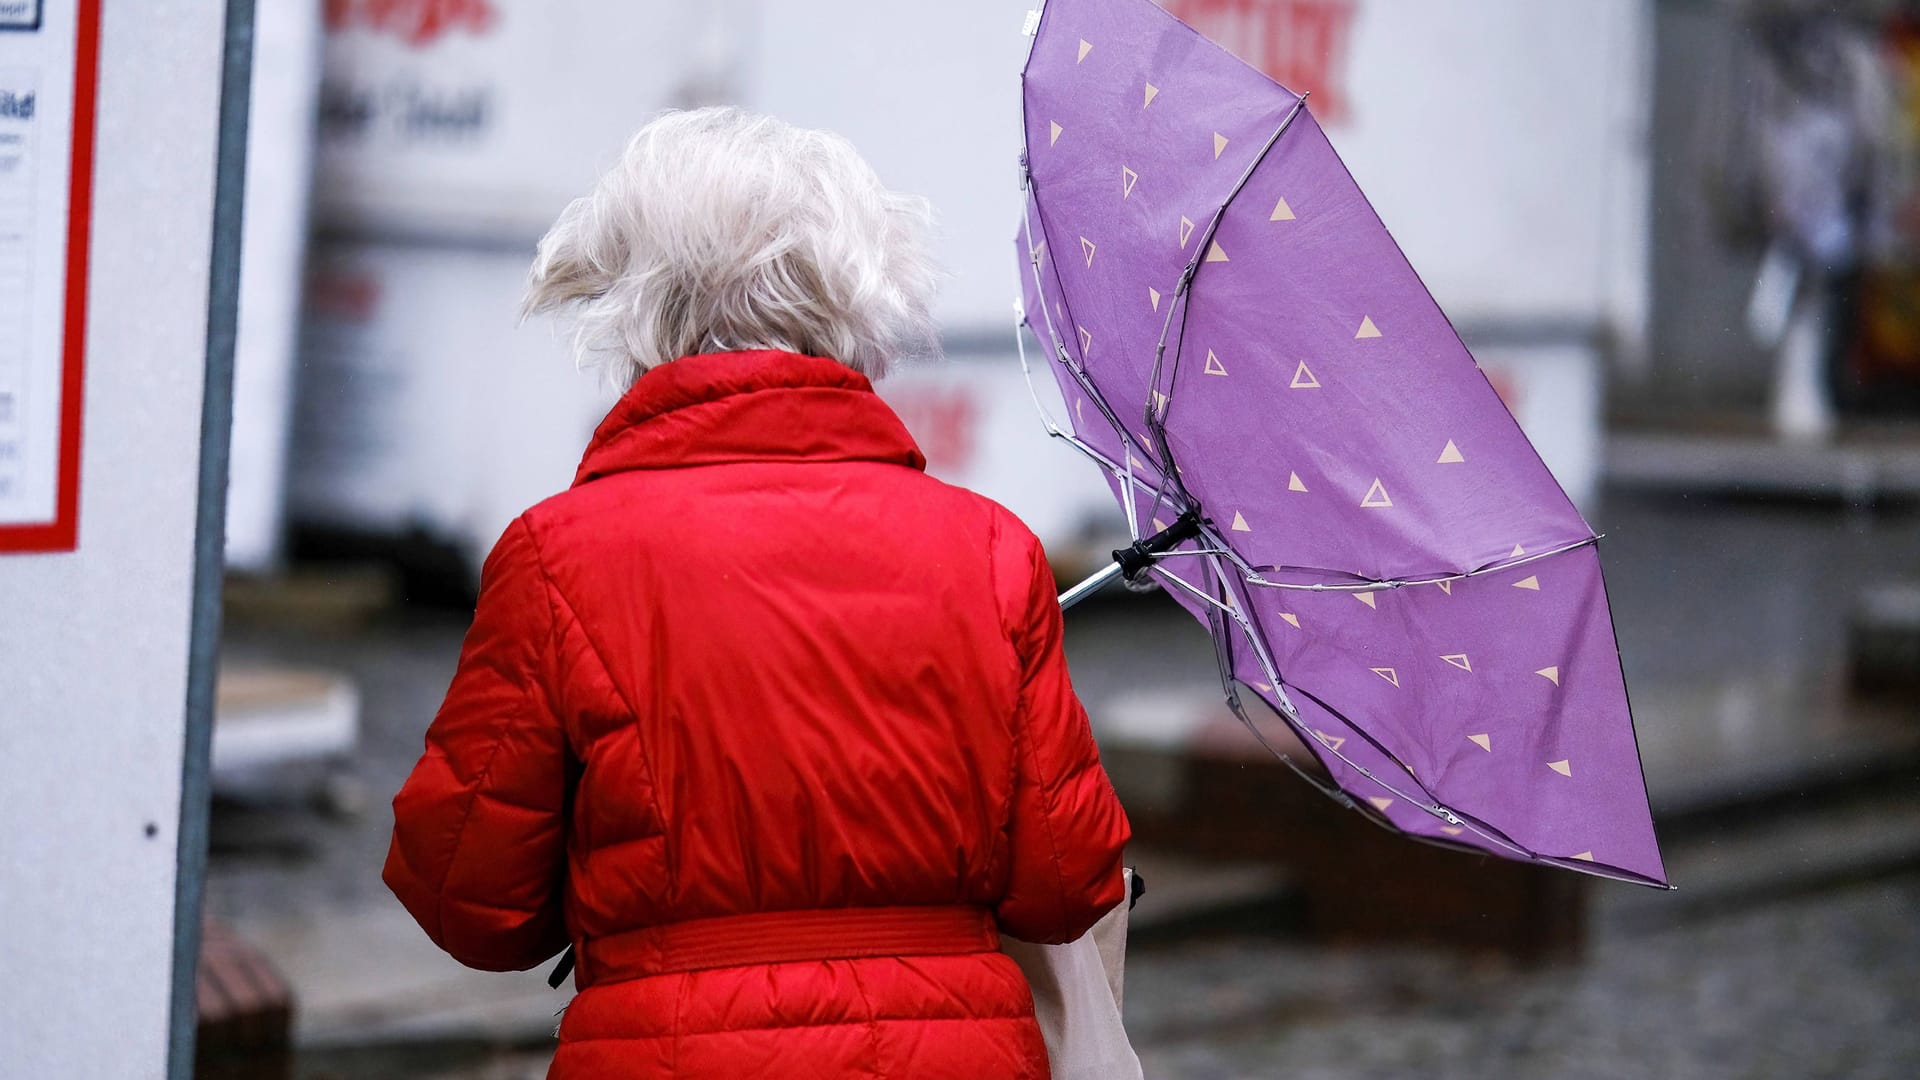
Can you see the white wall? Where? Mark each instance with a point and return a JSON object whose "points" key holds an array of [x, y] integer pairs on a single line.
{"points": [[93, 644], [425, 403], [1503, 143], [930, 93], [286, 84]]}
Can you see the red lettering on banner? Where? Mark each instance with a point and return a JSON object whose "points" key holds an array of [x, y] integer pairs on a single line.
{"points": [[349, 296], [1508, 389], [1302, 44], [419, 23], [945, 422]]}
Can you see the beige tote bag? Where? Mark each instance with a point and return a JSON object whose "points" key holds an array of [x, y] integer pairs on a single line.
{"points": [[1077, 990]]}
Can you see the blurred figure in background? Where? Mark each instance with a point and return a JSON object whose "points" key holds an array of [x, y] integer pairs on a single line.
{"points": [[773, 729]]}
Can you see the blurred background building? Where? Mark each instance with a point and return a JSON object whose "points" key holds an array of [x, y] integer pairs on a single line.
{"points": [[1680, 236]]}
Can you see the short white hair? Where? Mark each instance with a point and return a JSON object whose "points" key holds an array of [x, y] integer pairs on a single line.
{"points": [[722, 230]]}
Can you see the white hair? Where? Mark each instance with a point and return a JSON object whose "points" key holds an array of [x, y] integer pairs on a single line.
{"points": [[722, 230]]}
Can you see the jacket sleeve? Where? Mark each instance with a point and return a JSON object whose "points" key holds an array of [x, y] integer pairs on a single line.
{"points": [[1067, 828], [479, 839]]}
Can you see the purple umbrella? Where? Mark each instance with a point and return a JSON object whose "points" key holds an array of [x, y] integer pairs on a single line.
{"points": [[1309, 459]]}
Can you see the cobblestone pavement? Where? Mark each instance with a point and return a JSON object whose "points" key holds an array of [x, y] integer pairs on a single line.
{"points": [[1818, 987]]}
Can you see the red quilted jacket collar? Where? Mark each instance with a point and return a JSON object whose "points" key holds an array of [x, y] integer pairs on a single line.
{"points": [[747, 406]]}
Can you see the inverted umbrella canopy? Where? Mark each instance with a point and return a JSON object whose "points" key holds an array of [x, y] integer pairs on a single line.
{"points": [[1383, 559]]}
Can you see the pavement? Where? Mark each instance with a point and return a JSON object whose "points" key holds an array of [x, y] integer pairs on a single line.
{"points": [[1799, 989], [1790, 816]]}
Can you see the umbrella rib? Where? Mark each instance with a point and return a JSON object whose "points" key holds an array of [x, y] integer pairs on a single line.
{"points": [[1156, 428], [1053, 333], [1080, 376], [1039, 283], [1124, 473], [1454, 815], [1426, 800], [1365, 585], [1368, 738], [1053, 427], [1054, 430], [1290, 714], [1156, 419]]}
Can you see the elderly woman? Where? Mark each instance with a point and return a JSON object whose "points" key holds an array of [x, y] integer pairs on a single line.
{"points": [[771, 727]]}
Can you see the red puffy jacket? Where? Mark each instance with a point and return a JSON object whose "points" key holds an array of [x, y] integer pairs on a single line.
{"points": [[776, 731]]}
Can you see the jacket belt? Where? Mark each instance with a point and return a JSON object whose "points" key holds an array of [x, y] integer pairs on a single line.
{"points": [[783, 937]]}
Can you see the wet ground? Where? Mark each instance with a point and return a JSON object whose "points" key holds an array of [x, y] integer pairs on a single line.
{"points": [[1793, 949], [1814, 988]]}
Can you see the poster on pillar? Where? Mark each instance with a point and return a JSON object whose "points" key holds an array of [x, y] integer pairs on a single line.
{"points": [[48, 52]]}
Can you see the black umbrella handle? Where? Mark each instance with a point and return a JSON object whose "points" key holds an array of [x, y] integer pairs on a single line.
{"points": [[562, 969], [1139, 555]]}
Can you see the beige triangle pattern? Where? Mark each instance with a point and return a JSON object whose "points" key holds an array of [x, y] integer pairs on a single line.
{"points": [[1459, 660], [1086, 341], [1380, 803], [1445, 587], [1085, 48], [1086, 246], [1128, 178], [1215, 253], [1291, 619], [1564, 767], [1153, 296], [1293, 482], [1281, 211], [1334, 742], [1551, 674], [1303, 378], [1367, 599], [1054, 125], [1367, 329], [1186, 231], [1240, 523], [1528, 582], [1450, 454], [1585, 856], [1219, 145], [1213, 365], [1452, 830], [1484, 742], [1516, 552], [1152, 92], [1376, 495], [1388, 674]]}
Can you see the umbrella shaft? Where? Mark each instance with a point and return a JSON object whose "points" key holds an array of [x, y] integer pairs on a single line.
{"points": [[1090, 586]]}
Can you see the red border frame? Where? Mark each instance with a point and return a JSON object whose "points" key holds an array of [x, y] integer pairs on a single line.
{"points": [[62, 533]]}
